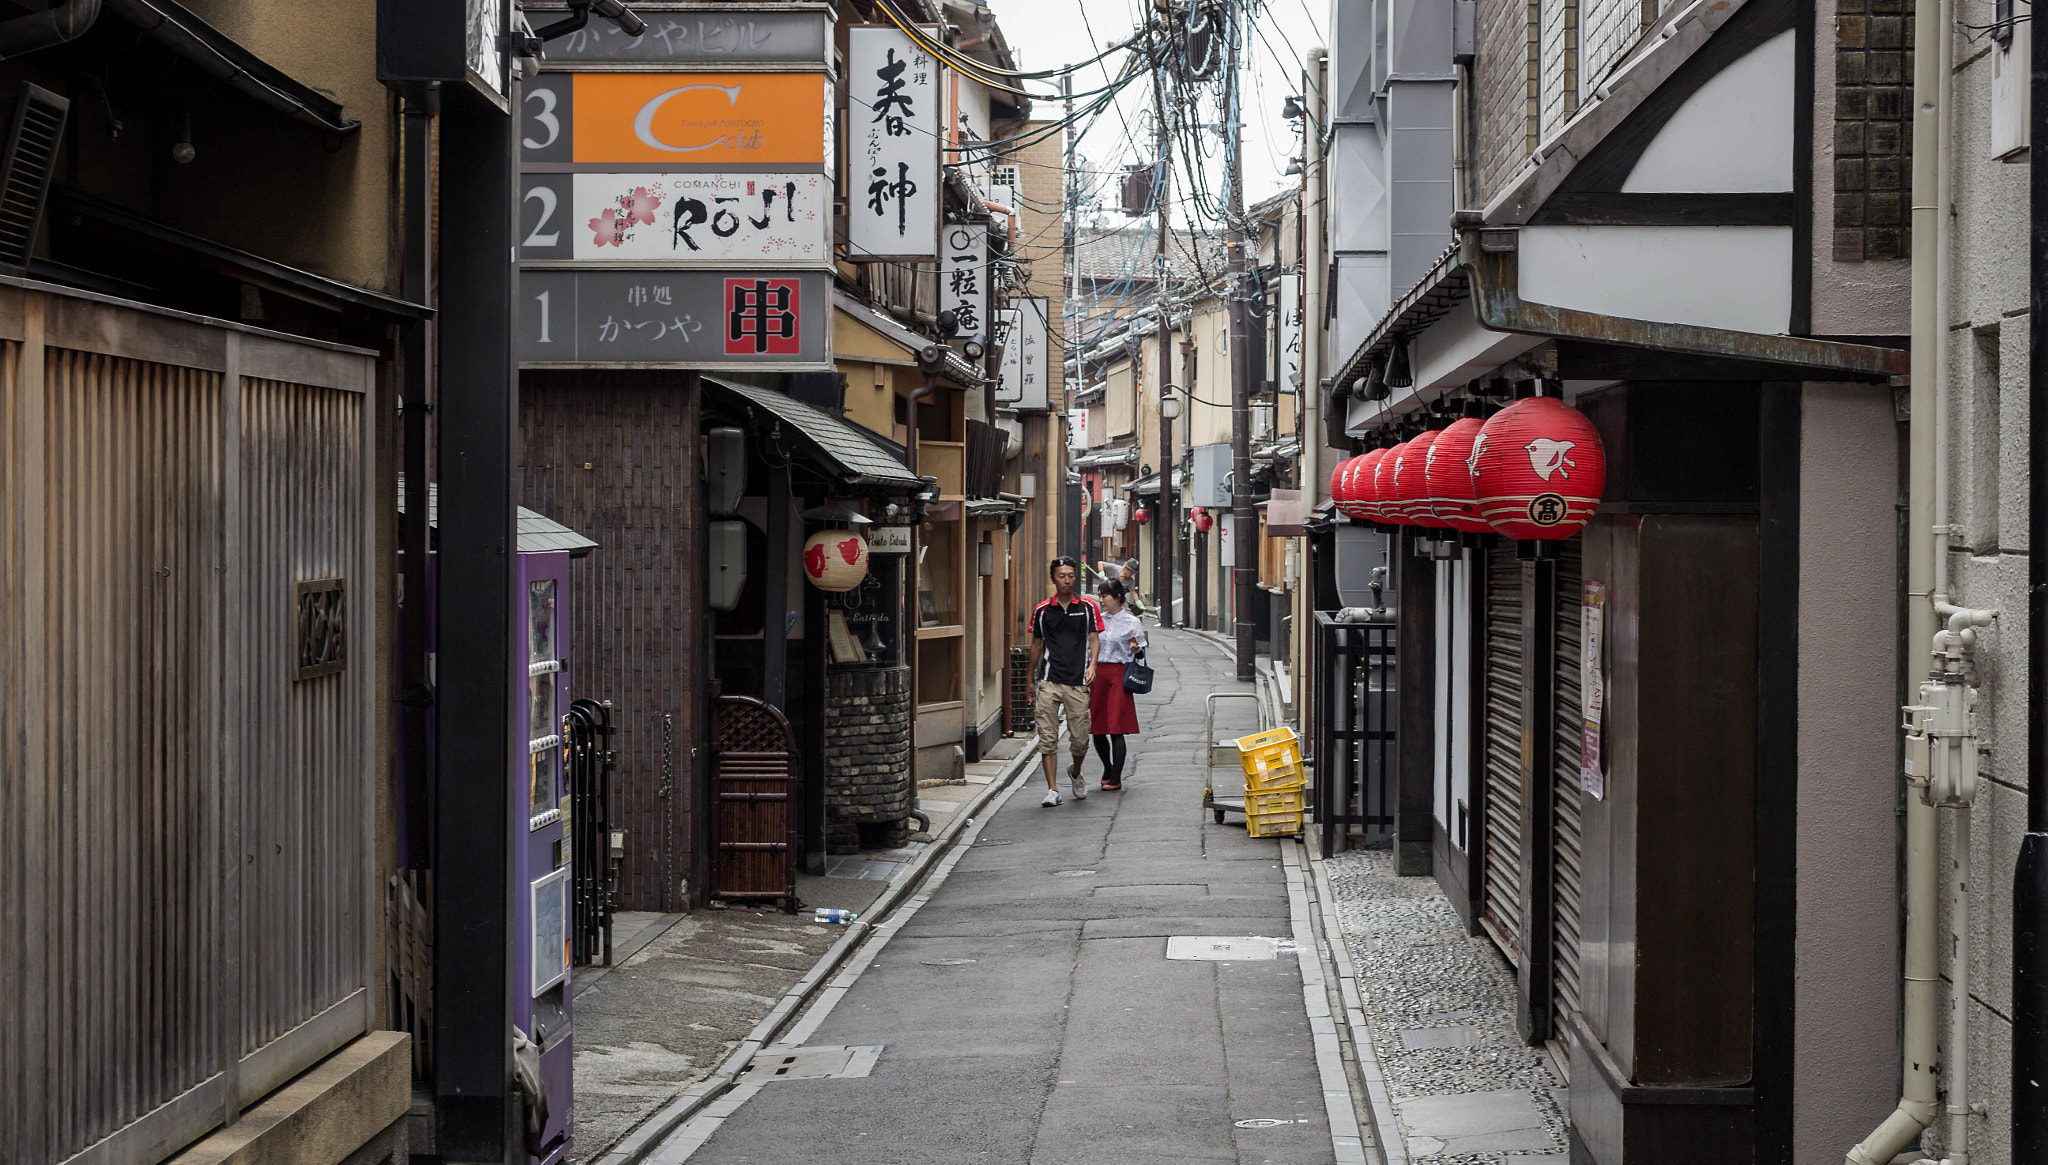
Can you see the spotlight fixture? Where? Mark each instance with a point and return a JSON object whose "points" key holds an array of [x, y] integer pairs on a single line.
{"points": [[181, 151], [973, 350], [1291, 108], [1293, 167], [1398, 373]]}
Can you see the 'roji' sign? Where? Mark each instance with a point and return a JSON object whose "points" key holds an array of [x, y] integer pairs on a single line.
{"points": [[893, 190], [721, 220], [963, 279], [682, 319]]}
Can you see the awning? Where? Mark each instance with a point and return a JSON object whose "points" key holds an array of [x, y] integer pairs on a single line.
{"points": [[955, 368], [1100, 458], [218, 57], [537, 534], [844, 449], [1150, 485]]}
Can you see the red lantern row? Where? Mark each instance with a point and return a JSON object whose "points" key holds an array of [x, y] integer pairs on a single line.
{"points": [[1535, 470]]}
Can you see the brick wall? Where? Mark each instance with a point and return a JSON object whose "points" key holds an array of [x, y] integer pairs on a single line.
{"points": [[867, 757], [1558, 31], [1606, 30], [1506, 88]]}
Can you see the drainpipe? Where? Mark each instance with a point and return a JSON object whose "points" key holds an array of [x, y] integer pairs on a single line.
{"points": [[929, 360], [1310, 393], [2030, 874], [47, 29]]}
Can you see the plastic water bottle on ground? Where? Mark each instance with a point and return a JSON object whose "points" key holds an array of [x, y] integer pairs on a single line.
{"points": [[840, 917]]}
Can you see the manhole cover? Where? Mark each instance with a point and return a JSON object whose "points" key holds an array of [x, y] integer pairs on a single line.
{"points": [[812, 1063], [1072, 873], [1220, 948], [947, 962], [1264, 1122]]}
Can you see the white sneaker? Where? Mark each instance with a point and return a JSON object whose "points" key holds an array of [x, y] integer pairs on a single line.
{"points": [[1052, 798], [1080, 788]]}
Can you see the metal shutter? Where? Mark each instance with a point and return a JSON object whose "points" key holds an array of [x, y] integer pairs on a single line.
{"points": [[1501, 909], [1565, 785]]}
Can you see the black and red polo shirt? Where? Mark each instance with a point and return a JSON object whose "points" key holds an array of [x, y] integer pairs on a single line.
{"points": [[1065, 631]]}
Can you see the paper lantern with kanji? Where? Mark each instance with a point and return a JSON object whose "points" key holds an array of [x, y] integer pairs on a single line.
{"points": [[1410, 495], [1378, 493], [1538, 469], [836, 560], [1450, 479]]}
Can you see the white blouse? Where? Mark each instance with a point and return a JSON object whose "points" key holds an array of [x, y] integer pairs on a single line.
{"points": [[1117, 632]]}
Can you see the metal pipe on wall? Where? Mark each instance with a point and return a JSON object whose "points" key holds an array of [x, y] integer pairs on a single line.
{"points": [[1310, 393]]}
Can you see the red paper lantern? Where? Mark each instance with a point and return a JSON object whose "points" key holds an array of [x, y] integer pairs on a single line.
{"points": [[1203, 521], [1538, 469], [1364, 495], [1141, 515], [1341, 491], [1449, 479], [1411, 489], [1380, 492]]}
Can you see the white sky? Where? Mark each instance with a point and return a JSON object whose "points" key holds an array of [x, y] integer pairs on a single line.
{"points": [[1049, 33]]}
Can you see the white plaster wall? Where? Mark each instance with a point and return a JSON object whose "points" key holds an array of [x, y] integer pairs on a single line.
{"points": [[1844, 1042], [1849, 299], [1724, 277], [1733, 136]]}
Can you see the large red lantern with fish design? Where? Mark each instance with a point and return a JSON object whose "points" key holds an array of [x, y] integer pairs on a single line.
{"points": [[1379, 493], [1449, 479], [836, 560], [1340, 485], [1363, 484], [1538, 470]]}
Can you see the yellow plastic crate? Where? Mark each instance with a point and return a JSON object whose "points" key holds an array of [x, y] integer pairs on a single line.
{"points": [[1271, 759], [1275, 801], [1272, 824]]}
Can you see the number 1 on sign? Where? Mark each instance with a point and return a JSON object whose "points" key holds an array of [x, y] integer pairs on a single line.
{"points": [[543, 298]]}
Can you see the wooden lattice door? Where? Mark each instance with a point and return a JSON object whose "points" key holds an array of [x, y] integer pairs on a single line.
{"points": [[753, 811]]}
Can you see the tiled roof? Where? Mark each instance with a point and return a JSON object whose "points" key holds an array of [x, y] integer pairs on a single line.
{"points": [[537, 534], [859, 460], [1130, 252]]}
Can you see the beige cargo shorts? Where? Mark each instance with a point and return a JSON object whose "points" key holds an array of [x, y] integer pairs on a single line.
{"points": [[1052, 698]]}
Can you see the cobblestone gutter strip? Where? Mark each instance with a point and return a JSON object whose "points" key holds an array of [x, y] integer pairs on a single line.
{"points": [[1367, 1099], [706, 1093]]}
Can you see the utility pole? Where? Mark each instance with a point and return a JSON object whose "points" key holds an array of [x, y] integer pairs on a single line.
{"points": [[1244, 538], [1164, 524]]}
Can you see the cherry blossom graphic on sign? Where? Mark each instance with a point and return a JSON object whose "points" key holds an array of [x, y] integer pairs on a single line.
{"points": [[610, 229]]}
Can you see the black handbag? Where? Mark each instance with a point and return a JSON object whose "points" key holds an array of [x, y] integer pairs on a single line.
{"points": [[1138, 676]]}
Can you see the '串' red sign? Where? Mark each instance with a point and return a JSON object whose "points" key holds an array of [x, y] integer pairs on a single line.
{"points": [[761, 317]]}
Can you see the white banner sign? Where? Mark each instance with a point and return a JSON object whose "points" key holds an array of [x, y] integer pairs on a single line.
{"points": [[888, 539], [1077, 428], [1290, 334], [893, 188], [1034, 380], [1003, 332], [963, 279], [713, 219]]}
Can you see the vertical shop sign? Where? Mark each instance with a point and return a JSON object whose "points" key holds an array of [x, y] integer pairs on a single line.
{"points": [[1592, 686], [1003, 334], [963, 279], [1289, 370], [893, 172], [1034, 380]]}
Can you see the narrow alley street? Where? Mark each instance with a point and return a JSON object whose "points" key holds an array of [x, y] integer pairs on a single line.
{"points": [[1030, 1010]]}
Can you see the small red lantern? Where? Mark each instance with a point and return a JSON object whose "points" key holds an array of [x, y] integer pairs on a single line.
{"points": [[1380, 507], [1141, 515], [1538, 469], [1411, 490], [1202, 520], [1449, 480]]}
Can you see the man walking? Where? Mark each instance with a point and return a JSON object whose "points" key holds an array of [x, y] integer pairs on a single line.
{"points": [[1064, 630]]}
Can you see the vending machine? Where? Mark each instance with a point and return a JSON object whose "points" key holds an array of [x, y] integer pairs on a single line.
{"points": [[542, 864]]}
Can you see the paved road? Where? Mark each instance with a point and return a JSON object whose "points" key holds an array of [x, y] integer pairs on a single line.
{"points": [[1071, 1037]]}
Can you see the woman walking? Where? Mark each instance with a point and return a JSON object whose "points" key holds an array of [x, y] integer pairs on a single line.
{"points": [[1112, 714]]}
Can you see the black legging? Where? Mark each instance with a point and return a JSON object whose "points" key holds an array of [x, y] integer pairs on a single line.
{"points": [[1111, 750]]}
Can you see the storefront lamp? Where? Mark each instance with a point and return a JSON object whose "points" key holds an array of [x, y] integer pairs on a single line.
{"points": [[1169, 406]]}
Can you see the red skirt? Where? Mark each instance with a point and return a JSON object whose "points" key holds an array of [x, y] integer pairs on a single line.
{"points": [[1111, 711]]}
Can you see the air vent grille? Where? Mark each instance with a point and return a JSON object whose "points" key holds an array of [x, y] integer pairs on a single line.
{"points": [[25, 172]]}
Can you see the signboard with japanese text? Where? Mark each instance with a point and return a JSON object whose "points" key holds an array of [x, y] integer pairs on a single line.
{"points": [[963, 279], [717, 122], [888, 539], [1592, 686], [1003, 334], [1034, 373], [680, 319], [1289, 371], [893, 191], [677, 219], [709, 34], [484, 24]]}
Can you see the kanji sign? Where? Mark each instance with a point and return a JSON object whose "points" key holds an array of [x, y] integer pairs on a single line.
{"points": [[963, 279], [1034, 380], [681, 219], [1289, 369], [735, 34], [893, 116], [1003, 334], [710, 121], [687, 319]]}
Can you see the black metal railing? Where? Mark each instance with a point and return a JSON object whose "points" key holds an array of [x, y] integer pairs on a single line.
{"points": [[1355, 728], [590, 823]]}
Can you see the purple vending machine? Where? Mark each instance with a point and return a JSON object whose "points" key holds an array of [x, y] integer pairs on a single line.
{"points": [[541, 861]]}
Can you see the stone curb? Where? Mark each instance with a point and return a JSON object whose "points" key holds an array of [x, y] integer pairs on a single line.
{"points": [[1378, 1096], [649, 1135]]}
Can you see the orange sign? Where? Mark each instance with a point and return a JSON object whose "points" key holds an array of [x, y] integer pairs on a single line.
{"points": [[732, 120]]}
